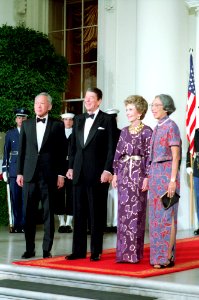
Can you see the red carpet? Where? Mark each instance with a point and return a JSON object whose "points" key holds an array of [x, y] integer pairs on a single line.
{"points": [[187, 257]]}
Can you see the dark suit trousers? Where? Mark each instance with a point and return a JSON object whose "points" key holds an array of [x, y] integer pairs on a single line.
{"points": [[35, 191], [89, 201]]}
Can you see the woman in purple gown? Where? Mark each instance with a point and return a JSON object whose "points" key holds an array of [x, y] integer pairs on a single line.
{"points": [[131, 166], [163, 177]]}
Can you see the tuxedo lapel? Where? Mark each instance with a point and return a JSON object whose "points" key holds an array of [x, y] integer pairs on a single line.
{"points": [[47, 131], [33, 132], [80, 125]]}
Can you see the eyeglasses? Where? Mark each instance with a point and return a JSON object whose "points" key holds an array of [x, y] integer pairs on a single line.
{"points": [[155, 105]]}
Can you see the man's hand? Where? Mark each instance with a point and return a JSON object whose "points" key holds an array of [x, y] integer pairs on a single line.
{"points": [[5, 178], [106, 177], [69, 174], [60, 181], [20, 180]]}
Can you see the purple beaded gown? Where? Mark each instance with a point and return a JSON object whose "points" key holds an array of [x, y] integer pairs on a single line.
{"points": [[131, 165]]}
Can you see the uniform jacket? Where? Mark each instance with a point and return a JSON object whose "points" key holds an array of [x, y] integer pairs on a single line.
{"points": [[51, 155], [196, 156], [97, 154], [10, 152]]}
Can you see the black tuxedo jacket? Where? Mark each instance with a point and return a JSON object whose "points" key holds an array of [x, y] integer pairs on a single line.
{"points": [[96, 155], [51, 155]]}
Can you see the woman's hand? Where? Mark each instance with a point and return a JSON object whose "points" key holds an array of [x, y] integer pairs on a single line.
{"points": [[114, 181], [171, 189], [145, 185]]}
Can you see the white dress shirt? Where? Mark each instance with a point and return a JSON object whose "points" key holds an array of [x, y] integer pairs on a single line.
{"points": [[40, 128], [88, 124], [68, 132]]}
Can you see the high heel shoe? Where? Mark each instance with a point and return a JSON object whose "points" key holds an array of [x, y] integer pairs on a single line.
{"points": [[171, 263]]}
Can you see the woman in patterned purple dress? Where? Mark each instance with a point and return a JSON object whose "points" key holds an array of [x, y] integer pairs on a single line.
{"points": [[163, 177], [131, 165]]}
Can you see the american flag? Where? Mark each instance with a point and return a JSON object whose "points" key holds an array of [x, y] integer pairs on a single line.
{"points": [[191, 108]]}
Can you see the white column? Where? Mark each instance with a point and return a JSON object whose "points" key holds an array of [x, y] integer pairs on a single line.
{"points": [[37, 15], [163, 52], [162, 58], [194, 44], [7, 15], [116, 52]]}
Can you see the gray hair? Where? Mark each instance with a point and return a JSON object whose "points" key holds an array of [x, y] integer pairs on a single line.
{"points": [[168, 103], [49, 98]]}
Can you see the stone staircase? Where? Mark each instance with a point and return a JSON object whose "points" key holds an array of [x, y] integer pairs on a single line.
{"points": [[19, 282]]}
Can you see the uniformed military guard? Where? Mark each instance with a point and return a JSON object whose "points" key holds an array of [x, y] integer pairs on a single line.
{"points": [[9, 172], [65, 203], [195, 172]]}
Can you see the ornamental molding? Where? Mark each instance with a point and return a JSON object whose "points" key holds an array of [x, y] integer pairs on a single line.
{"points": [[192, 3], [20, 11], [109, 5]]}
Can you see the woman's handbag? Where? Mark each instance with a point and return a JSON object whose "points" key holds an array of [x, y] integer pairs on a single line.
{"points": [[167, 202]]}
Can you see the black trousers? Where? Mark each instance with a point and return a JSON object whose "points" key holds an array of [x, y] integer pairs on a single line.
{"points": [[35, 191], [90, 202]]}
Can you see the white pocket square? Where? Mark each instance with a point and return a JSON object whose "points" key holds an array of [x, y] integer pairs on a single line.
{"points": [[101, 128]]}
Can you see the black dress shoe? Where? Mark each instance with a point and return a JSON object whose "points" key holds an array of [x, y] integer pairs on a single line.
{"points": [[94, 257], [19, 230], [107, 229], [12, 230], [114, 229], [196, 232], [47, 254], [74, 256], [68, 229], [28, 254], [62, 229]]}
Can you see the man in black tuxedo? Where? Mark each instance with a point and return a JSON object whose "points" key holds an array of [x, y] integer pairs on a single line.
{"points": [[40, 169], [90, 167]]}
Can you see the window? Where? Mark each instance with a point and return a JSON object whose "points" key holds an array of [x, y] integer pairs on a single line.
{"points": [[73, 31]]}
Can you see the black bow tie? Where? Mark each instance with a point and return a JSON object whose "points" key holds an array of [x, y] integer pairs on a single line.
{"points": [[41, 120], [90, 116]]}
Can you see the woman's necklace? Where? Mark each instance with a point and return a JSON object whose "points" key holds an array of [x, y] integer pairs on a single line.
{"points": [[136, 129]]}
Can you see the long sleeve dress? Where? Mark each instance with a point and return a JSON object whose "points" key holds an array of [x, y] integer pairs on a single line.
{"points": [[165, 135], [131, 165]]}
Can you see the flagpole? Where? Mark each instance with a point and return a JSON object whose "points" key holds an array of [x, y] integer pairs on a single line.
{"points": [[191, 193]]}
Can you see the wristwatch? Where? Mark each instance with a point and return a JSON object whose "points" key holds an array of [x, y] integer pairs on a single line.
{"points": [[173, 180]]}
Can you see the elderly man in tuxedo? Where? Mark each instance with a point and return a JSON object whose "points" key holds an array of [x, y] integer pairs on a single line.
{"points": [[90, 167], [40, 169]]}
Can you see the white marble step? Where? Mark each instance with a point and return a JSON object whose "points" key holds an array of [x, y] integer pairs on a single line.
{"points": [[124, 285]]}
